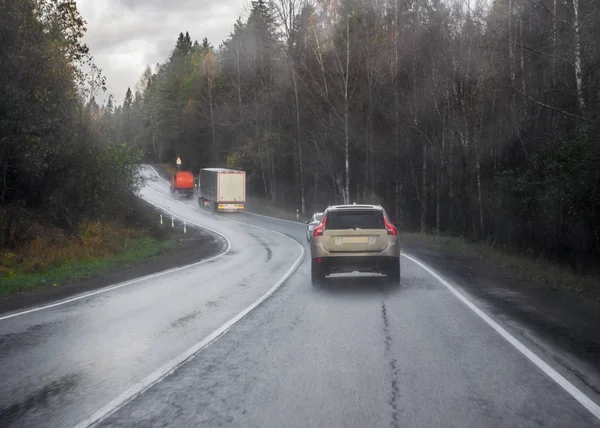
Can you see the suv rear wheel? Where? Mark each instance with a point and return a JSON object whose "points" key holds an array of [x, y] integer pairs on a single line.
{"points": [[393, 272], [317, 275]]}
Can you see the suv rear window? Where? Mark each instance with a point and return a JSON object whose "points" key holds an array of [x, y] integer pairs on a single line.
{"points": [[342, 220]]}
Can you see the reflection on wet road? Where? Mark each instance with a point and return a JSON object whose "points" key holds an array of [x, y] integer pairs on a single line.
{"points": [[60, 364], [354, 352]]}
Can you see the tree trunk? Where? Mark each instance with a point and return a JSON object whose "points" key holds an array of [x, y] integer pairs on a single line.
{"points": [[261, 151], [414, 66], [262, 170], [479, 197], [213, 150], [577, 53], [437, 203], [553, 70], [396, 118], [154, 137], [424, 192], [315, 203], [370, 175], [346, 113], [451, 187], [272, 179], [511, 55], [239, 81], [441, 167], [298, 143], [523, 87]]}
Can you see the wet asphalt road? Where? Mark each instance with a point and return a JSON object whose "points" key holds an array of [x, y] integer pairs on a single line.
{"points": [[352, 353]]}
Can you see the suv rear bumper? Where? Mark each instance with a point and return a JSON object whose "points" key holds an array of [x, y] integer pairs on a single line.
{"points": [[347, 264], [317, 250]]}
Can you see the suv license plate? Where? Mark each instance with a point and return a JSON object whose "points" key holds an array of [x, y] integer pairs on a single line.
{"points": [[355, 240]]}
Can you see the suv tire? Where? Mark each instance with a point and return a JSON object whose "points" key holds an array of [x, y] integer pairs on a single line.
{"points": [[317, 276], [393, 272]]}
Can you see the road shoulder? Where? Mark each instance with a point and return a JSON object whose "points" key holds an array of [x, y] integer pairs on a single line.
{"points": [[566, 325], [193, 246], [562, 321]]}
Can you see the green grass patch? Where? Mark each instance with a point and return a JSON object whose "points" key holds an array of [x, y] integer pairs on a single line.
{"points": [[520, 268], [134, 251]]}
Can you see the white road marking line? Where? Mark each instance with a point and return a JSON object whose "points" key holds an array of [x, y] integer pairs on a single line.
{"points": [[297, 223], [571, 389], [157, 174], [189, 354], [133, 281]]}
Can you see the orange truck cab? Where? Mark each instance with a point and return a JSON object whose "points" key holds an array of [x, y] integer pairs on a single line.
{"points": [[182, 183]]}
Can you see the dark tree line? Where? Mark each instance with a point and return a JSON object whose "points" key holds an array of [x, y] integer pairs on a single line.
{"points": [[56, 162], [459, 118]]}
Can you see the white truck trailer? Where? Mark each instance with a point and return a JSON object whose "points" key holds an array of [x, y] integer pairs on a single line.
{"points": [[221, 189]]}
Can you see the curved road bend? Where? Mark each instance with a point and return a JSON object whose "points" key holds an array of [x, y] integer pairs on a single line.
{"points": [[354, 353], [59, 365]]}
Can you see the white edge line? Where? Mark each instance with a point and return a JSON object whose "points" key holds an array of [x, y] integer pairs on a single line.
{"points": [[298, 223], [156, 172], [189, 354], [571, 389], [133, 281], [274, 218], [578, 395]]}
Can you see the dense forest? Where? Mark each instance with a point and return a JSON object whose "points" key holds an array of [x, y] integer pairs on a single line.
{"points": [[58, 166], [472, 119]]}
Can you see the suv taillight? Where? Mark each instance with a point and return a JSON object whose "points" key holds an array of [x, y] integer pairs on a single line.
{"points": [[321, 227], [391, 229]]}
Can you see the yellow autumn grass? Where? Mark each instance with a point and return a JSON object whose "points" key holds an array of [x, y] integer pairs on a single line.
{"points": [[93, 240]]}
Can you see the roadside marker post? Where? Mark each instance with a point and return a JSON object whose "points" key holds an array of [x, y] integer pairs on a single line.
{"points": [[184, 229], [172, 222], [161, 220], [297, 214]]}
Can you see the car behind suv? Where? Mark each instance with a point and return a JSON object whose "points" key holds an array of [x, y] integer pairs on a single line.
{"points": [[312, 224], [355, 238]]}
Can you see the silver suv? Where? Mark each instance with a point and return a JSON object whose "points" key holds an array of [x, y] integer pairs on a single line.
{"points": [[355, 238], [312, 224]]}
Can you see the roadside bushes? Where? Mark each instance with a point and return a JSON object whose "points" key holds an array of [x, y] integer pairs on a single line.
{"points": [[557, 202], [57, 166]]}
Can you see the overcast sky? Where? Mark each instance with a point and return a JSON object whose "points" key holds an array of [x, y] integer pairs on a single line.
{"points": [[126, 35]]}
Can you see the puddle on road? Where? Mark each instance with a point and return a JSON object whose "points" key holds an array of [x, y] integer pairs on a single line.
{"points": [[32, 336], [49, 396]]}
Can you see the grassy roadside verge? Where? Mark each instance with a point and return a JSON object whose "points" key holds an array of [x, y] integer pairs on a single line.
{"points": [[48, 257], [135, 251], [521, 269]]}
